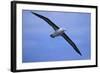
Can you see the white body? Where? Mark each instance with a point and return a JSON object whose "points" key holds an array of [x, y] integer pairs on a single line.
{"points": [[57, 33]]}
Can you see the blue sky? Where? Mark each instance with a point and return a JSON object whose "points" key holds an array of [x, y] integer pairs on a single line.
{"points": [[38, 46]]}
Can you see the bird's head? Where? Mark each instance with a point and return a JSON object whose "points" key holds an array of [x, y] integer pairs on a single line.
{"points": [[64, 29]]}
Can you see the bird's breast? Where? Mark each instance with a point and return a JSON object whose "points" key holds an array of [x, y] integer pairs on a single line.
{"points": [[58, 32]]}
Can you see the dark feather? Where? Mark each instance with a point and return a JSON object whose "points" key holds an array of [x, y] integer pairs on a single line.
{"points": [[71, 43], [47, 20]]}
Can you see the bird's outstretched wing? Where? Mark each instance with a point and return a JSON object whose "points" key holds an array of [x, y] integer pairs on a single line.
{"points": [[56, 28], [71, 43], [47, 20]]}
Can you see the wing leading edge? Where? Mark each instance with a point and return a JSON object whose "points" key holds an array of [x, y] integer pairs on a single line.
{"points": [[47, 20]]}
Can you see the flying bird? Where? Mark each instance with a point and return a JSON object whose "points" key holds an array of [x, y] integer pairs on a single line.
{"points": [[58, 32]]}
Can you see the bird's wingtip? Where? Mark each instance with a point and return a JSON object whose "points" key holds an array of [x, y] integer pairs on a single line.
{"points": [[32, 12], [36, 14]]}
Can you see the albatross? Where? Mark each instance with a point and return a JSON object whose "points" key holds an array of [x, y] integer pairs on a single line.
{"points": [[58, 31]]}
